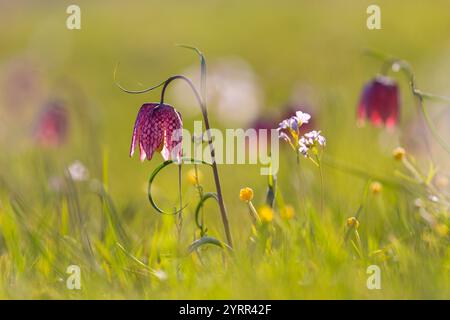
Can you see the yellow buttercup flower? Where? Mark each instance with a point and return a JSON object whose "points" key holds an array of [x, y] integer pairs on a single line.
{"points": [[246, 194], [287, 213], [265, 214]]}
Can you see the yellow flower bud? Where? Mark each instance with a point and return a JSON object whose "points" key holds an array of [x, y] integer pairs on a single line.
{"points": [[352, 222], [246, 194], [376, 187], [441, 229], [265, 214], [287, 213], [192, 177], [399, 153]]}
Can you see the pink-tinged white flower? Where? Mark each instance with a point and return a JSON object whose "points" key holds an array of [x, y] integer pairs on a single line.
{"points": [[289, 129], [157, 128], [379, 103], [302, 117], [310, 142]]}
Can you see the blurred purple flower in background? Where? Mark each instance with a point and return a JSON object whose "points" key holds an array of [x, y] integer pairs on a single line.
{"points": [[22, 83], [51, 129], [379, 103], [155, 129], [233, 90]]}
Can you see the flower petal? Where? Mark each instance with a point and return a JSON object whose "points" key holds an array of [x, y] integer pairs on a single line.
{"points": [[172, 125], [155, 129], [379, 102], [143, 112]]}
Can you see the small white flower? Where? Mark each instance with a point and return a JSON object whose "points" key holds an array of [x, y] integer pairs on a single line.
{"points": [[293, 123], [284, 124], [283, 136], [289, 130], [310, 140], [303, 149], [433, 198], [160, 274], [78, 172], [315, 136], [302, 117]]}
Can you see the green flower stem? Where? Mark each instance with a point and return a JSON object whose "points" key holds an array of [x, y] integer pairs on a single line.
{"points": [[202, 103], [321, 184], [253, 213]]}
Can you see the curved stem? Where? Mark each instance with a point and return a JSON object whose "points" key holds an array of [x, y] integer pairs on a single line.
{"points": [[202, 105], [223, 210], [431, 126], [188, 81], [200, 224], [133, 91], [420, 96]]}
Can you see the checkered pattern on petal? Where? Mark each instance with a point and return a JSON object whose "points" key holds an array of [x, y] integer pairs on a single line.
{"points": [[154, 129], [142, 117]]}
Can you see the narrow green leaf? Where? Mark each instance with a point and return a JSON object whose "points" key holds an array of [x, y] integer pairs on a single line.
{"points": [[206, 240]]}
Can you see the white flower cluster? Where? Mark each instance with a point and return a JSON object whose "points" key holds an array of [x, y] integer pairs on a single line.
{"points": [[311, 140], [289, 130]]}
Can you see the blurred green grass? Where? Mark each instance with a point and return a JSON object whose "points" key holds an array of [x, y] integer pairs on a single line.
{"points": [[285, 42]]}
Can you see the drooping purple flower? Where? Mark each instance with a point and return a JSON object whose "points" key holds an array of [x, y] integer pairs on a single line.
{"points": [[157, 128], [52, 126], [379, 102]]}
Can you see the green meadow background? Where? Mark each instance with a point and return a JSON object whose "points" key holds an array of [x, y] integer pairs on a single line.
{"points": [[308, 49]]}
